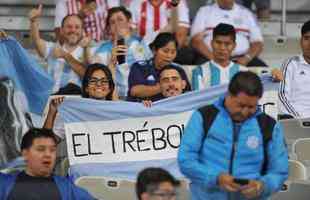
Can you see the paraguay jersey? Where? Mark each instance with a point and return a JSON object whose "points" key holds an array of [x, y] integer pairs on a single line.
{"points": [[211, 74], [94, 23], [149, 20], [137, 51], [244, 22]]}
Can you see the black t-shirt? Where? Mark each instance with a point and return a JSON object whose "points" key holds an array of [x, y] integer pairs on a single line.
{"points": [[34, 188]]}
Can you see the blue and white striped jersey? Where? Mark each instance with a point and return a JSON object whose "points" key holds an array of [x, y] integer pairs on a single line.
{"points": [[211, 74], [137, 51]]}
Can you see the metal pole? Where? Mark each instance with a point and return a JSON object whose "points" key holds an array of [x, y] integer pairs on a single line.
{"points": [[283, 21]]}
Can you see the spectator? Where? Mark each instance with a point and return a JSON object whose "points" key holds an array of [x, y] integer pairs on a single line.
{"points": [[151, 17], [262, 7], [131, 47], [156, 183], [249, 40], [97, 84], [170, 82], [37, 181], [93, 13], [221, 69], [193, 7], [64, 62], [230, 140], [144, 75], [293, 90]]}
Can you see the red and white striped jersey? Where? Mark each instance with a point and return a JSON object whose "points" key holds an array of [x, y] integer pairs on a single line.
{"points": [[244, 22], [94, 24], [149, 19]]}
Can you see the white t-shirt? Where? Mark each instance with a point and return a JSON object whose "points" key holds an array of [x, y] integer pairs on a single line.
{"points": [[94, 23], [151, 18], [244, 22], [294, 94], [59, 69]]}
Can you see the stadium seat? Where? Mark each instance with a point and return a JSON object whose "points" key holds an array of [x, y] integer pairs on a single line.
{"points": [[107, 188], [294, 190], [297, 171], [111, 188], [295, 129]]}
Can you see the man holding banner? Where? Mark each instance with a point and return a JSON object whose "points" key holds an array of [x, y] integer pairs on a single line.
{"points": [[231, 150], [171, 83]]}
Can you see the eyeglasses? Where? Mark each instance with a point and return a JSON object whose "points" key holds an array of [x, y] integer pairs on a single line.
{"points": [[165, 195], [97, 81]]}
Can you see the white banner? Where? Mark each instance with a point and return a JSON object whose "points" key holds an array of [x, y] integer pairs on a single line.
{"points": [[134, 139]]}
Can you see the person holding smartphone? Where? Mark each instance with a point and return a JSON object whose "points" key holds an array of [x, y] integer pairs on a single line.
{"points": [[122, 49], [231, 149]]}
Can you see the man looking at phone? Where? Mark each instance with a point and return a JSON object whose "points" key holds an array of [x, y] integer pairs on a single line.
{"points": [[231, 150], [122, 50]]}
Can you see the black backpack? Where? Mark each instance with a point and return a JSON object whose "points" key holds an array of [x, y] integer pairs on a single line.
{"points": [[266, 124]]}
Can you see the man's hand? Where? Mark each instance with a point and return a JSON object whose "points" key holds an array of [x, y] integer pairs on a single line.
{"points": [[35, 13], [277, 75], [243, 60], [55, 103], [58, 52], [118, 50], [227, 183], [147, 103], [85, 42], [3, 34], [199, 44], [252, 190]]}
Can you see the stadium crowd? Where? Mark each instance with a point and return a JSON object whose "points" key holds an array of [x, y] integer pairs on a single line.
{"points": [[138, 52]]}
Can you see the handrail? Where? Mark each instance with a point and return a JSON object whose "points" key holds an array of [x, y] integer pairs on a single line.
{"points": [[283, 20]]}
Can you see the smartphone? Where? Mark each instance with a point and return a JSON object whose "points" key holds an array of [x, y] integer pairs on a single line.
{"points": [[241, 181], [121, 58]]}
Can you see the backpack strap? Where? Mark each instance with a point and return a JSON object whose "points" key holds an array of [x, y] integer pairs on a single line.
{"points": [[208, 114], [266, 125]]}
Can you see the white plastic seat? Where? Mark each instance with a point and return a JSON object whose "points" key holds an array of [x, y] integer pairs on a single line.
{"points": [[111, 188], [297, 171], [294, 190]]}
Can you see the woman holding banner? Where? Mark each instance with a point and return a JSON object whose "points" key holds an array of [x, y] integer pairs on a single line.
{"points": [[97, 84]]}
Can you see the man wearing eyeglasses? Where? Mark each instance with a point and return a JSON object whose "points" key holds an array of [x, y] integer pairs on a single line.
{"points": [[156, 184]]}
